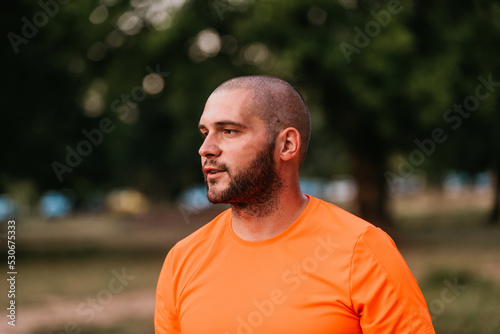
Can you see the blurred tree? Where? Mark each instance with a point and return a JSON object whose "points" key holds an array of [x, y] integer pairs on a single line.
{"points": [[41, 115], [379, 78], [386, 73], [472, 120], [363, 61]]}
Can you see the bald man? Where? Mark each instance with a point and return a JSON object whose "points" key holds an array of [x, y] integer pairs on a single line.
{"points": [[278, 261]]}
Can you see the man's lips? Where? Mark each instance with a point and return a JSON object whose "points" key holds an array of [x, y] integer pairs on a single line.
{"points": [[213, 172]]}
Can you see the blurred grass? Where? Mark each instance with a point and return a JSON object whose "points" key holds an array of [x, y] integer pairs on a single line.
{"points": [[474, 308], [76, 279], [70, 260], [128, 326], [446, 241]]}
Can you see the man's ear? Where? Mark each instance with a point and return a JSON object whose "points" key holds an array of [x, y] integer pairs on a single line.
{"points": [[289, 143]]}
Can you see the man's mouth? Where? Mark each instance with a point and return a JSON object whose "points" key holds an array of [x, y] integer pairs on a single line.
{"points": [[213, 173]]}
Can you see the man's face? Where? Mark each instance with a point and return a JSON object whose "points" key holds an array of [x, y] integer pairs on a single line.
{"points": [[237, 154]]}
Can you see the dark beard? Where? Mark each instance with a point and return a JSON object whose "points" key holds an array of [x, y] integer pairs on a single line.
{"points": [[255, 189]]}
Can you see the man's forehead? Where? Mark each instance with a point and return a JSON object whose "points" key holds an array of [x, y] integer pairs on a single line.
{"points": [[233, 96], [229, 105]]}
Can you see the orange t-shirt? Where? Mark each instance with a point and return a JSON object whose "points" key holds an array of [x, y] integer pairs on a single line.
{"points": [[329, 272]]}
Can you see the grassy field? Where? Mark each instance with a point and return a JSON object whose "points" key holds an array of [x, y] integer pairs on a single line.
{"points": [[97, 274]]}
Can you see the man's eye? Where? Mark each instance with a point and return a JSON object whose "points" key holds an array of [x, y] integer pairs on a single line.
{"points": [[203, 134], [230, 131]]}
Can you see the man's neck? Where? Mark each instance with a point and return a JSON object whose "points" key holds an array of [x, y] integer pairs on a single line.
{"points": [[261, 221]]}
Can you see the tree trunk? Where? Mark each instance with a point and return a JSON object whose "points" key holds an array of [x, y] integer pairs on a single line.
{"points": [[495, 213], [372, 190]]}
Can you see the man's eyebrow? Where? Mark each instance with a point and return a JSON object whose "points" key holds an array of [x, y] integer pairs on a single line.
{"points": [[224, 123]]}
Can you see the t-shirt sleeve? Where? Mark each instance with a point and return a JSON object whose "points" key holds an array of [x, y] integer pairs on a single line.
{"points": [[383, 291], [165, 319]]}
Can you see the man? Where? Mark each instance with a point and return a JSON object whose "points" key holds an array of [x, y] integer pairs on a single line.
{"points": [[278, 261]]}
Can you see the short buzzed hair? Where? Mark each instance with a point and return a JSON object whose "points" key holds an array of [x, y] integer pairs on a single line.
{"points": [[277, 103]]}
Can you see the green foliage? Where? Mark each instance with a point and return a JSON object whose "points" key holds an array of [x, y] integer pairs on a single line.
{"points": [[373, 102]]}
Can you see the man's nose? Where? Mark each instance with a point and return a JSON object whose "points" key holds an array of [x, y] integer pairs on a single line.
{"points": [[209, 148]]}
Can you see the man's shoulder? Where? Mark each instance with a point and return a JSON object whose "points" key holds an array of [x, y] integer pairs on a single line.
{"points": [[331, 217], [345, 229]]}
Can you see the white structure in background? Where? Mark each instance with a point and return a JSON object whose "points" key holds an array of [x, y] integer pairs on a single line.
{"points": [[410, 185], [127, 201], [55, 204], [341, 189], [7, 207], [195, 198], [456, 184]]}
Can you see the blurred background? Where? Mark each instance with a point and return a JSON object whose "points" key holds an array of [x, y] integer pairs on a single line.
{"points": [[99, 165]]}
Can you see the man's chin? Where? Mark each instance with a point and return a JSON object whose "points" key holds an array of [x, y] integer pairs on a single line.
{"points": [[215, 197], [216, 200]]}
